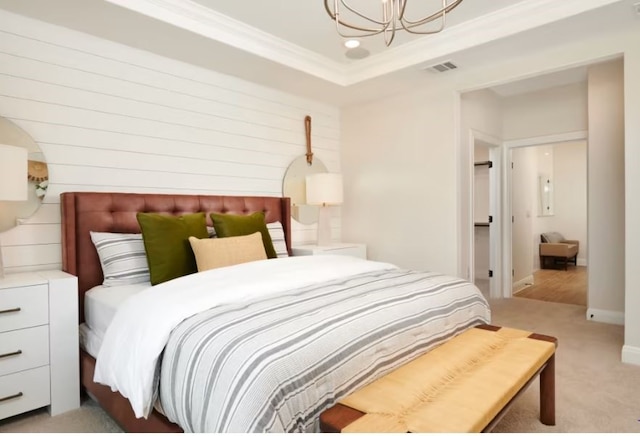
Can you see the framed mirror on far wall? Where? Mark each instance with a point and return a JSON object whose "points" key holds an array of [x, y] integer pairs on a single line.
{"points": [[294, 187], [37, 175], [545, 195]]}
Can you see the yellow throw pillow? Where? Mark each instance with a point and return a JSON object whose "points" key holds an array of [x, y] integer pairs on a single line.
{"points": [[219, 252]]}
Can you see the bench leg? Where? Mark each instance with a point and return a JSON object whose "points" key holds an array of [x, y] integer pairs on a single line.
{"points": [[548, 393]]}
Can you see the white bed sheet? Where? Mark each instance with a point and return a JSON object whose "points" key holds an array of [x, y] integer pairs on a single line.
{"points": [[102, 302], [90, 341]]}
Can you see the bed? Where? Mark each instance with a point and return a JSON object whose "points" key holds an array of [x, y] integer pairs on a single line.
{"points": [[252, 388]]}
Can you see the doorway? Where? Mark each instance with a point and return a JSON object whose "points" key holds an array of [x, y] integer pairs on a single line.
{"points": [[549, 201], [485, 214]]}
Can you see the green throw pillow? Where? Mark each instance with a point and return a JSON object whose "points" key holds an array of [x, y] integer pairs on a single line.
{"points": [[241, 225], [166, 241]]}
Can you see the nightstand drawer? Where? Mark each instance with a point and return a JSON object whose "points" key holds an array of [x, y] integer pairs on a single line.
{"points": [[24, 349], [25, 306], [23, 391]]}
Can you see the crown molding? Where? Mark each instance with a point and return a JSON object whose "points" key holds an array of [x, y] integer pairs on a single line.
{"points": [[206, 22], [502, 23], [490, 27]]}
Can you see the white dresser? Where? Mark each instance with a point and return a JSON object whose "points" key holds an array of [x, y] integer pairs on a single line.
{"points": [[39, 342], [341, 248]]}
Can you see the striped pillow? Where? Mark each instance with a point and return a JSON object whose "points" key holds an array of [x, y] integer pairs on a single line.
{"points": [[277, 237], [122, 257]]}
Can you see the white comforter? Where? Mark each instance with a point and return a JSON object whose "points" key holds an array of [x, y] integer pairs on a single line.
{"points": [[127, 361]]}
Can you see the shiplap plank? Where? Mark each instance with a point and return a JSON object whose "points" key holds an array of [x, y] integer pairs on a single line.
{"points": [[118, 92], [92, 104], [63, 114], [47, 214], [45, 134], [31, 234], [81, 156], [111, 118], [155, 72], [32, 255], [97, 176], [57, 189], [29, 268]]}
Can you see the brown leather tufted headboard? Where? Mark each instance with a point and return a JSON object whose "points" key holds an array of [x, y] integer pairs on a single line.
{"points": [[116, 212]]}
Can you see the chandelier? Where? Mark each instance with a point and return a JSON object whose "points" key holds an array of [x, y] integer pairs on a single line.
{"points": [[354, 22]]}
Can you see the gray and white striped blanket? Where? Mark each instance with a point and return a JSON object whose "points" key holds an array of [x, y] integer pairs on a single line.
{"points": [[275, 363]]}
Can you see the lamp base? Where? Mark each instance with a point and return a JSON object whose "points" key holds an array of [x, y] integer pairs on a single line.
{"points": [[324, 226]]}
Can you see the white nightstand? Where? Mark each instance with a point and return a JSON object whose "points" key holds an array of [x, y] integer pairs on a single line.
{"points": [[39, 342], [342, 248]]}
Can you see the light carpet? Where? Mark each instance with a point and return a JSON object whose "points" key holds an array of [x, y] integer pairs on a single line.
{"points": [[595, 392]]}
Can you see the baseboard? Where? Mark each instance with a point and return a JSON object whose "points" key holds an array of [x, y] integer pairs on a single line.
{"points": [[631, 355], [605, 316], [521, 284], [582, 261]]}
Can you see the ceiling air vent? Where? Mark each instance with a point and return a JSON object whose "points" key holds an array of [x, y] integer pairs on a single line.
{"points": [[442, 67]]}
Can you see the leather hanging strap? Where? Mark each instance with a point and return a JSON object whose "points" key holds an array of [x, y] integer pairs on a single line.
{"points": [[307, 128]]}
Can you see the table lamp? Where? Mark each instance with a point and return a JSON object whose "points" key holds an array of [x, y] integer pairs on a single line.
{"points": [[324, 189], [13, 179]]}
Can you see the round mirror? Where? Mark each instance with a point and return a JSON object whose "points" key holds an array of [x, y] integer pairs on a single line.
{"points": [[294, 186], [37, 176]]}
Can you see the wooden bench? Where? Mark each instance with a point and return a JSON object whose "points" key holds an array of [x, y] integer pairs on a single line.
{"points": [[465, 385]]}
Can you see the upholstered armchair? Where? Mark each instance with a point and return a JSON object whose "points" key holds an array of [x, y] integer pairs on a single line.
{"points": [[555, 248]]}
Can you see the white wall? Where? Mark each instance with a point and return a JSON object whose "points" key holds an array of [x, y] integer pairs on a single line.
{"points": [[570, 194], [631, 349], [400, 182], [523, 208], [401, 153], [606, 187], [113, 118], [551, 111]]}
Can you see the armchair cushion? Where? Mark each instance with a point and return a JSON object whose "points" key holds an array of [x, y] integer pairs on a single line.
{"points": [[552, 237], [558, 249]]}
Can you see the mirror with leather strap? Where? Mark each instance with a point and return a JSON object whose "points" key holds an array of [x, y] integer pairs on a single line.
{"points": [[294, 187], [37, 176]]}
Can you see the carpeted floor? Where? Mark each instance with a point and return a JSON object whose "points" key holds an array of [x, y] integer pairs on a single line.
{"points": [[595, 392]]}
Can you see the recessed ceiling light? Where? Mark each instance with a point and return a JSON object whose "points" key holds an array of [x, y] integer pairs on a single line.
{"points": [[352, 43], [357, 53]]}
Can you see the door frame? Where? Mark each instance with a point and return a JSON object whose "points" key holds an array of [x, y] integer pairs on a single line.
{"points": [[507, 236], [495, 253]]}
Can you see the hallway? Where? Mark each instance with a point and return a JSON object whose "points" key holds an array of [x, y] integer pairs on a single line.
{"points": [[559, 286]]}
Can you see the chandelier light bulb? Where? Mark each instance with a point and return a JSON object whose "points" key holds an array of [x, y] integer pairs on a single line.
{"points": [[352, 43]]}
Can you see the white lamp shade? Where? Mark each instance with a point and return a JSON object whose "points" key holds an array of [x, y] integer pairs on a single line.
{"points": [[13, 173], [324, 188]]}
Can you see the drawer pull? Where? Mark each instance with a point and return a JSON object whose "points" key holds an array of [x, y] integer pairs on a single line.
{"points": [[15, 353], [11, 397], [15, 309]]}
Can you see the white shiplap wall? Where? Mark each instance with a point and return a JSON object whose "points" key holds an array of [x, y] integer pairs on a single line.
{"points": [[112, 118]]}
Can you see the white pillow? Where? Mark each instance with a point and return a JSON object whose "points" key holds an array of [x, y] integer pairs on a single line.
{"points": [[122, 257], [277, 237]]}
